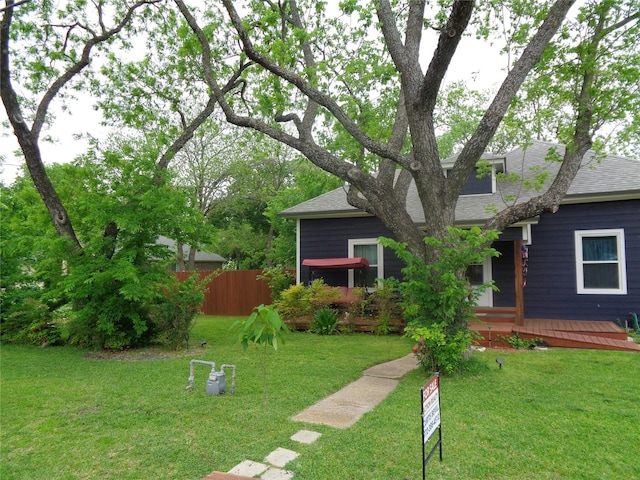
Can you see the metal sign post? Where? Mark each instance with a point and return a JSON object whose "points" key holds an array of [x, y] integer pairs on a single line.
{"points": [[430, 400]]}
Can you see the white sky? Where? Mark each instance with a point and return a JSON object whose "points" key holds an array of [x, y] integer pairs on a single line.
{"points": [[475, 62]]}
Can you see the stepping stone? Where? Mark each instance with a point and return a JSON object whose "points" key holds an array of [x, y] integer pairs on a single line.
{"points": [[276, 474], [225, 476], [280, 457], [249, 468], [305, 436]]}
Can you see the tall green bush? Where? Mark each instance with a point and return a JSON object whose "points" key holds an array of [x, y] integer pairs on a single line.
{"points": [[437, 299], [174, 312], [113, 296]]}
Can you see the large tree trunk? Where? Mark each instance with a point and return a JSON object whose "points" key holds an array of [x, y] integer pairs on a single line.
{"points": [[192, 259], [28, 141]]}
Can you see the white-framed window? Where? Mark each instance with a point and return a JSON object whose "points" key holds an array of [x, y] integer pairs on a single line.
{"points": [[370, 249], [600, 262]]}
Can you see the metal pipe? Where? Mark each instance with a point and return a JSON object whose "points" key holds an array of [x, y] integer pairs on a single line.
{"points": [[233, 376], [192, 370]]}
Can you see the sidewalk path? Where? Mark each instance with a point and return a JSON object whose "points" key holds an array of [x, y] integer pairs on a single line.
{"points": [[345, 407], [340, 410]]}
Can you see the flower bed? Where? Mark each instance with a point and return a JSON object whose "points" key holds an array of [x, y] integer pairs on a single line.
{"points": [[349, 323]]}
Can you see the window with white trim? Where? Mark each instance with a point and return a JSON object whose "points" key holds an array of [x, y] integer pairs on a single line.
{"points": [[600, 262], [370, 249]]}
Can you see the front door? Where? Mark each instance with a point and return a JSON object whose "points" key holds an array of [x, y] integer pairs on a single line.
{"points": [[479, 274]]}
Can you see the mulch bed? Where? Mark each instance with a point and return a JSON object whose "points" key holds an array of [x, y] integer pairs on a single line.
{"points": [[349, 324], [145, 354]]}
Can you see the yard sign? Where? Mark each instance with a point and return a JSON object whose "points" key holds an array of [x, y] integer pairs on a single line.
{"points": [[430, 398]]}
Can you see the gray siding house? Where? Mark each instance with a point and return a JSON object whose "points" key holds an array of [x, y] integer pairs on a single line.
{"points": [[581, 263]]}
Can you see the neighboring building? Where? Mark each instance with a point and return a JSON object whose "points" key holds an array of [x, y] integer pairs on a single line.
{"points": [[203, 261], [582, 262]]}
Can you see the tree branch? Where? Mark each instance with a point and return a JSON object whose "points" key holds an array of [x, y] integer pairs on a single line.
{"points": [[492, 118], [450, 37], [80, 65], [574, 152], [305, 87]]}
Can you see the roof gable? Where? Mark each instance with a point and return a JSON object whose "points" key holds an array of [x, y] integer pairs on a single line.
{"points": [[200, 256]]}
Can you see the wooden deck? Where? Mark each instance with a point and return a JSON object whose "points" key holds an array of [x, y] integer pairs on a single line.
{"points": [[495, 324]]}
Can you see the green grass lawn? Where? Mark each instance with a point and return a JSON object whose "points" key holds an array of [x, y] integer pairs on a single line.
{"points": [[560, 414]]}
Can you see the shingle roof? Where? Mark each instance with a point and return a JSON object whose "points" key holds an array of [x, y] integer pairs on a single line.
{"points": [[200, 256], [612, 177]]}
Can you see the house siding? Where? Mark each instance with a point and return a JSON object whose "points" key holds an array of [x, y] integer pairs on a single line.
{"points": [[551, 290], [329, 238]]}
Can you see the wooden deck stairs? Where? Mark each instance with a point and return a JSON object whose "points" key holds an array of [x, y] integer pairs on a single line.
{"points": [[496, 324]]}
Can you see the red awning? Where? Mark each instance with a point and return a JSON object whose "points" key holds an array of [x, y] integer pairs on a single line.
{"points": [[355, 262]]}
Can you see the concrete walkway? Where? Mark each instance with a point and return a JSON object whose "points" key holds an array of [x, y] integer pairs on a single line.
{"points": [[345, 407], [340, 410]]}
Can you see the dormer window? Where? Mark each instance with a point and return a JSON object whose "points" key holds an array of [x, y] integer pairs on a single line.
{"points": [[482, 180], [478, 184]]}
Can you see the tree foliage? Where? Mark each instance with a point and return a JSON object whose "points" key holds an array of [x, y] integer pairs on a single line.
{"points": [[347, 89], [116, 284], [437, 300]]}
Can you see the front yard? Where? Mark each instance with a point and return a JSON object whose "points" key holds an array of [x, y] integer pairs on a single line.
{"points": [[544, 415]]}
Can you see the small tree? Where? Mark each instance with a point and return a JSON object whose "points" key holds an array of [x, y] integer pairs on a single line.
{"points": [[437, 299], [278, 279], [264, 328]]}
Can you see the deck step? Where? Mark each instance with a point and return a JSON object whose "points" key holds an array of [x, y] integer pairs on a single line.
{"points": [[557, 333], [495, 314], [579, 340]]}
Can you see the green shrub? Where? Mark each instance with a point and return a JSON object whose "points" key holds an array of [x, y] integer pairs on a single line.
{"points": [[295, 302], [278, 280], [298, 300], [173, 314], [385, 303], [358, 308], [437, 300], [517, 342], [31, 323], [325, 321], [438, 351]]}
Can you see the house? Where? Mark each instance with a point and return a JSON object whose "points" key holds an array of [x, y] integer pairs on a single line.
{"points": [[581, 263], [203, 261]]}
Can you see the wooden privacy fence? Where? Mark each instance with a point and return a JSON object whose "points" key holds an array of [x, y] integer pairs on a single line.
{"points": [[232, 292]]}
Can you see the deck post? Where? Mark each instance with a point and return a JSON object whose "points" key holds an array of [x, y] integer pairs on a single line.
{"points": [[519, 291]]}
